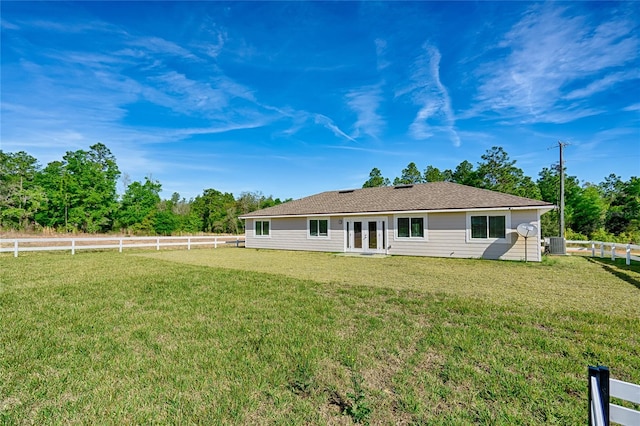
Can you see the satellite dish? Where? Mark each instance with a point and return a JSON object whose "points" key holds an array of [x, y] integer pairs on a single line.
{"points": [[527, 230]]}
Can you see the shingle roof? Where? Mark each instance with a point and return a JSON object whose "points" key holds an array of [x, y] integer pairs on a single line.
{"points": [[426, 196]]}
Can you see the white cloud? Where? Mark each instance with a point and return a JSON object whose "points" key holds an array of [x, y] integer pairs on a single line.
{"points": [[427, 90], [634, 107], [365, 102], [300, 119], [6, 25], [549, 53], [329, 124], [157, 45], [381, 51], [605, 83], [67, 27]]}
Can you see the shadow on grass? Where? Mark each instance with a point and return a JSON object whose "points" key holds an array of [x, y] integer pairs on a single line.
{"points": [[614, 267]]}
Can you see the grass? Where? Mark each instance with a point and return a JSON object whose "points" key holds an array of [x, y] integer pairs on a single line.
{"points": [[270, 337]]}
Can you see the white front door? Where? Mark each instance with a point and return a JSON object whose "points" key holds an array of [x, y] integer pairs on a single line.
{"points": [[366, 235]]}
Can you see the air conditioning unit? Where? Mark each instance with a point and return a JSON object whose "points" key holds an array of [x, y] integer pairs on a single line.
{"points": [[557, 245]]}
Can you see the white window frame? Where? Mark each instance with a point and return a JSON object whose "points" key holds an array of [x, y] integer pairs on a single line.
{"points": [[255, 221], [507, 227], [319, 237], [425, 220]]}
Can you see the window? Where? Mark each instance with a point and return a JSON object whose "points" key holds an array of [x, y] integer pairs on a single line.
{"points": [[262, 228], [483, 227], [318, 227], [410, 227], [497, 227], [478, 226]]}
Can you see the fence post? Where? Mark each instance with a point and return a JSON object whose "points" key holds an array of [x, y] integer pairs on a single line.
{"points": [[73, 246], [601, 249], [601, 374], [215, 242], [120, 246], [592, 372], [15, 248], [628, 254], [613, 251], [189, 243], [158, 243], [593, 249]]}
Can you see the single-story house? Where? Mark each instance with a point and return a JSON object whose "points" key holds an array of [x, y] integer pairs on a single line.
{"points": [[440, 219]]}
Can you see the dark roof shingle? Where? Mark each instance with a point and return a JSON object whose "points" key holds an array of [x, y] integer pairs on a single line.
{"points": [[426, 196]]}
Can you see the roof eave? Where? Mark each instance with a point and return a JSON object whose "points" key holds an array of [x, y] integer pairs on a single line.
{"points": [[543, 209]]}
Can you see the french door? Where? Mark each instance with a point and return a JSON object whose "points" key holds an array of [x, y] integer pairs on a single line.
{"points": [[366, 235]]}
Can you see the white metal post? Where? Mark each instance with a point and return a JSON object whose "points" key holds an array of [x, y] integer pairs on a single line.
{"points": [[593, 249], [597, 415], [215, 242], [613, 252], [601, 249], [120, 246], [628, 254], [15, 248], [188, 243], [73, 247], [158, 243]]}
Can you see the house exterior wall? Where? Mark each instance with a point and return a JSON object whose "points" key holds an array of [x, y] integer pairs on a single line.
{"points": [[447, 235], [292, 234]]}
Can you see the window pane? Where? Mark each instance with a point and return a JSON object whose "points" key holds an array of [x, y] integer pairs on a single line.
{"points": [[417, 227], [403, 227], [323, 224], [497, 227], [373, 235], [258, 227], [265, 228], [478, 227], [313, 228]]}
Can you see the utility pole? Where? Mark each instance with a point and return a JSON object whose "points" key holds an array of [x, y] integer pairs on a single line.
{"points": [[554, 247], [561, 145]]}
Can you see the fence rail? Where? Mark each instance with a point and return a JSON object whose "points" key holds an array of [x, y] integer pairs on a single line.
{"points": [[601, 389], [17, 245], [604, 249]]}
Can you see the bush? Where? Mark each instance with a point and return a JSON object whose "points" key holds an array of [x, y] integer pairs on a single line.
{"points": [[570, 234]]}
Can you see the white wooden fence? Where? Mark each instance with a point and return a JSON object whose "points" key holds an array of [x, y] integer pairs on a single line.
{"points": [[17, 245], [602, 249], [601, 388]]}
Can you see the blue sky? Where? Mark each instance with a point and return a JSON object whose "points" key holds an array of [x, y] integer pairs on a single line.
{"points": [[295, 98]]}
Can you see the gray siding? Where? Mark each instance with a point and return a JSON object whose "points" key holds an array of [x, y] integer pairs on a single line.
{"points": [[291, 234], [447, 237]]}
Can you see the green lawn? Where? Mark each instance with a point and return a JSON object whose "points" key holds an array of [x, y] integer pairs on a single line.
{"points": [[262, 337]]}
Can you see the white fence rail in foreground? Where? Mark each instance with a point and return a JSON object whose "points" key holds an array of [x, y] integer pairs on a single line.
{"points": [[603, 249], [601, 389], [17, 245]]}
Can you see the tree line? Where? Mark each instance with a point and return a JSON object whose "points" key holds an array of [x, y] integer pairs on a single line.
{"points": [[78, 194], [607, 211]]}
